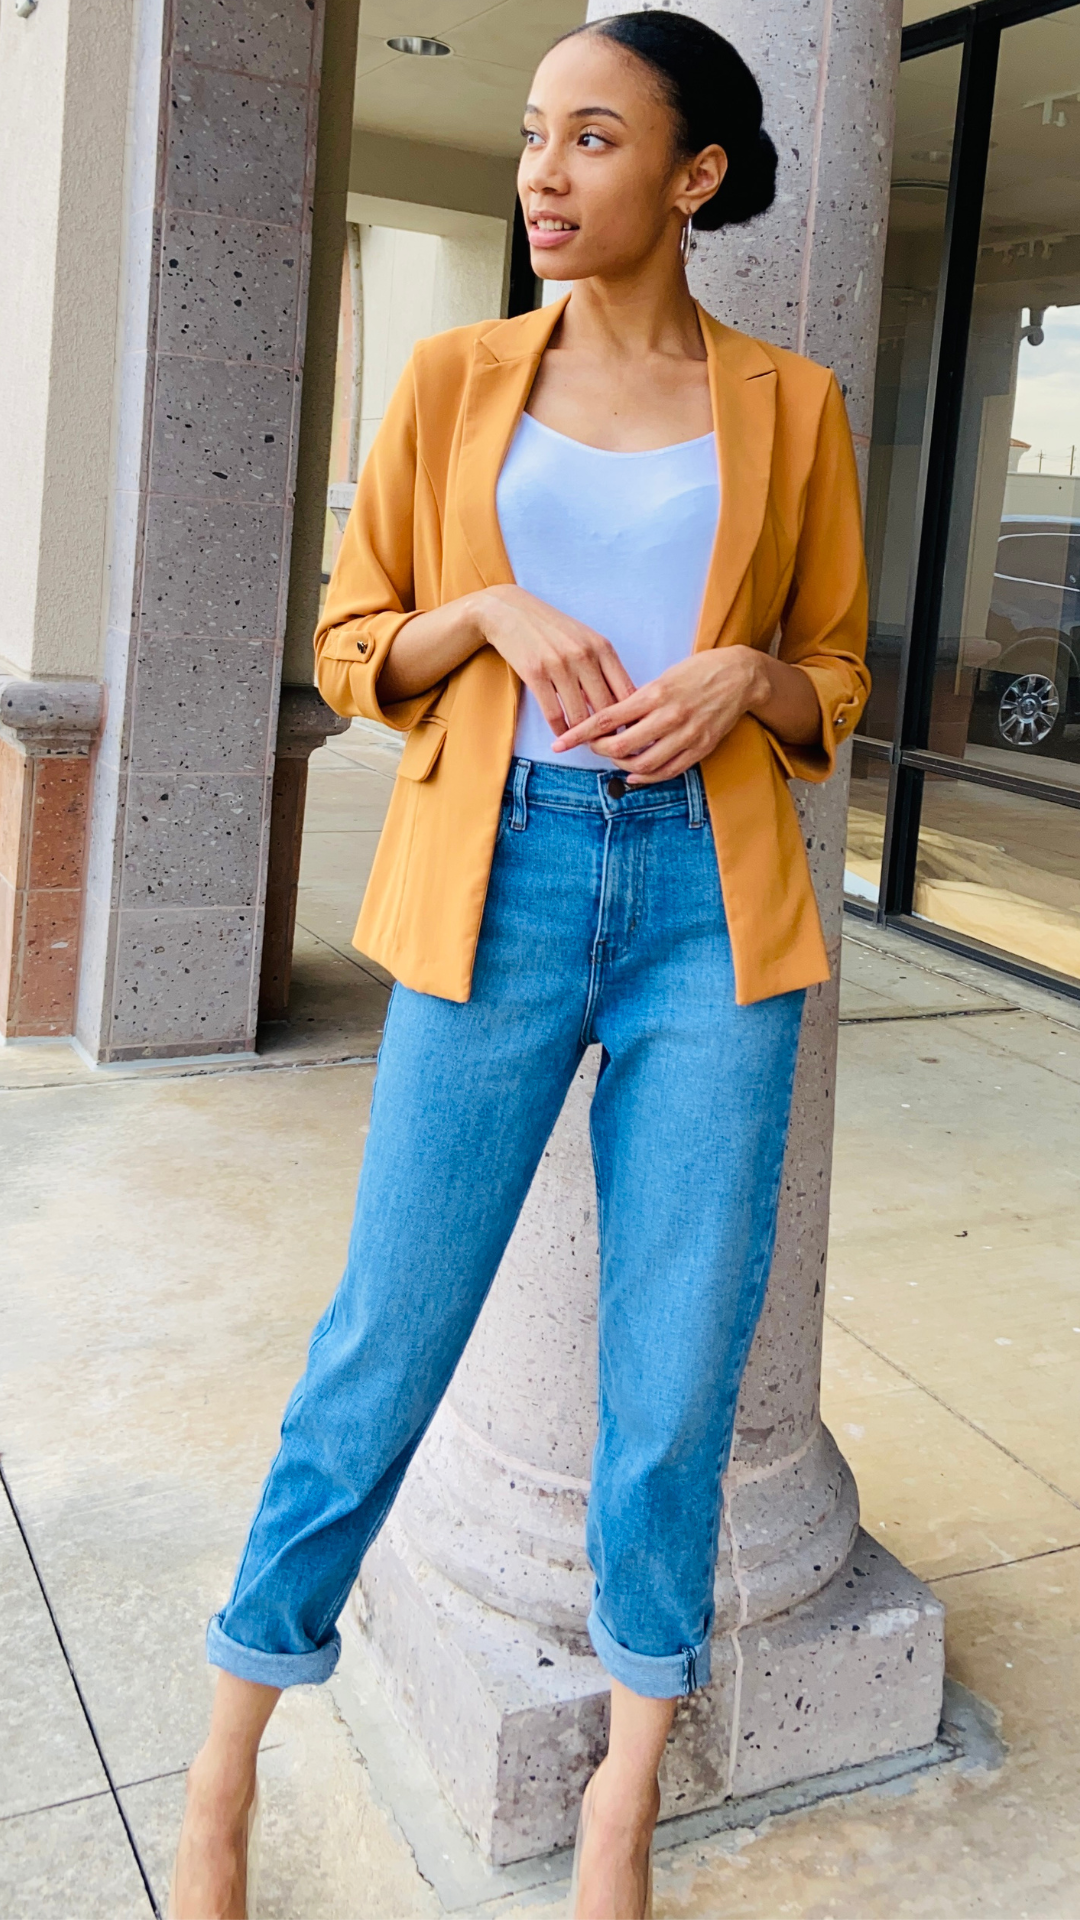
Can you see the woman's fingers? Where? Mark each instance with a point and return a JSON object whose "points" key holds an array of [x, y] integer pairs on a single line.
{"points": [[608, 719], [599, 693], [547, 700], [571, 670], [636, 738], [658, 755], [615, 674], [669, 771], [590, 673]]}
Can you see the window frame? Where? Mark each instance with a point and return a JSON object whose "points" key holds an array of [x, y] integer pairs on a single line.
{"points": [[977, 29]]}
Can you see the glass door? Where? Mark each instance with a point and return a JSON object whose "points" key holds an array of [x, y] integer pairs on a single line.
{"points": [[995, 864], [965, 809], [922, 152]]}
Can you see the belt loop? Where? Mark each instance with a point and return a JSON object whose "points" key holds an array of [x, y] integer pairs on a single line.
{"points": [[519, 812], [695, 796]]}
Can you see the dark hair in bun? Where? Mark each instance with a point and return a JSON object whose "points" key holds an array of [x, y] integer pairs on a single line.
{"points": [[714, 98]]}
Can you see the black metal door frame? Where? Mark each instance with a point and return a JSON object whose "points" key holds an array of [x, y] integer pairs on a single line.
{"points": [[977, 29]]}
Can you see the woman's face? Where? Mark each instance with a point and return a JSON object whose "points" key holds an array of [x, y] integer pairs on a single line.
{"points": [[600, 184]]}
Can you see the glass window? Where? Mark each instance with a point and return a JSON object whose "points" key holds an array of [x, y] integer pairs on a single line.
{"points": [[1006, 687], [926, 108], [866, 824], [1002, 868]]}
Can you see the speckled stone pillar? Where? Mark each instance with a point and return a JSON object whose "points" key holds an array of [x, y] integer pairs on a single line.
{"points": [[826, 1652], [304, 723], [219, 199]]}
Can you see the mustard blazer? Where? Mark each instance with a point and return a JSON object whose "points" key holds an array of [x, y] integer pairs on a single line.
{"points": [[424, 530]]}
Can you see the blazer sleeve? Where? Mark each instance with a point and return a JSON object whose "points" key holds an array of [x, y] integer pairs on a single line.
{"points": [[371, 595], [824, 623]]}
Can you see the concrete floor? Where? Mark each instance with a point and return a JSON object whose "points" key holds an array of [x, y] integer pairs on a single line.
{"points": [[169, 1236]]}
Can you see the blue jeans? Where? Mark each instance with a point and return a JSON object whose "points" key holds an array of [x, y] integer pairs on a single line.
{"points": [[603, 922]]}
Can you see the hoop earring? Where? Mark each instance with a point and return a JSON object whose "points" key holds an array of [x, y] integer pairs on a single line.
{"points": [[686, 244]]}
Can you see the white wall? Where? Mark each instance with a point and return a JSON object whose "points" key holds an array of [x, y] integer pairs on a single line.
{"points": [[1052, 494], [64, 86], [417, 283]]}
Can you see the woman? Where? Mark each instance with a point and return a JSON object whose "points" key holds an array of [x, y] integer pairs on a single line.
{"points": [[575, 541]]}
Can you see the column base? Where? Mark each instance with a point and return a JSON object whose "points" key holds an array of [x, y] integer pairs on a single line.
{"points": [[512, 1718]]}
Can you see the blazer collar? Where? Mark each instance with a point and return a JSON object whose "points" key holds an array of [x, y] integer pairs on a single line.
{"points": [[742, 386], [505, 359]]}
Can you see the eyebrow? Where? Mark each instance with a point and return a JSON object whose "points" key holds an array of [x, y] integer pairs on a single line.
{"points": [[583, 113]]}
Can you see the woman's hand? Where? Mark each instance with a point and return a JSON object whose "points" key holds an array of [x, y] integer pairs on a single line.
{"points": [[677, 719], [572, 671]]}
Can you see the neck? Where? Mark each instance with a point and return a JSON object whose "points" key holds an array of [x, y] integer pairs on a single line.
{"points": [[647, 311]]}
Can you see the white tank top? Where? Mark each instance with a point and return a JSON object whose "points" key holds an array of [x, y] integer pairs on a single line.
{"points": [[621, 541]]}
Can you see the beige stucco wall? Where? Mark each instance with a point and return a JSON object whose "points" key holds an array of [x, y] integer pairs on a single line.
{"points": [[418, 283], [929, 9], [434, 176], [64, 85]]}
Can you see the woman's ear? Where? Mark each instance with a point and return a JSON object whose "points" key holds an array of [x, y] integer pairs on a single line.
{"points": [[702, 178]]}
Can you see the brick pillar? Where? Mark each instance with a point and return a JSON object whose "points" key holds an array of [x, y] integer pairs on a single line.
{"points": [[46, 731]]}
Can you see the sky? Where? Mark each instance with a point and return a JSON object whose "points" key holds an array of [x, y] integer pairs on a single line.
{"points": [[1047, 411]]}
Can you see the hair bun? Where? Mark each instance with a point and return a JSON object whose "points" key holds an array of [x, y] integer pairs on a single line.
{"points": [[715, 100], [747, 189]]}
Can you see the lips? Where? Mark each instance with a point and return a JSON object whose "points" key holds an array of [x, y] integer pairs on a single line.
{"points": [[549, 230]]}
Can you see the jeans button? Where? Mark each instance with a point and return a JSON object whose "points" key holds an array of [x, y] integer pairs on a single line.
{"points": [[616, 787]]}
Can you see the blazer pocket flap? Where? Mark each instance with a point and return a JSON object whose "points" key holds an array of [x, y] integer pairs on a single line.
{"points": [[422, 749]]}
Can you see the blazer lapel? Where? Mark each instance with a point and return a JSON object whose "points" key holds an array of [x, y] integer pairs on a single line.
{"points": [[742, 382], [504, 367]]}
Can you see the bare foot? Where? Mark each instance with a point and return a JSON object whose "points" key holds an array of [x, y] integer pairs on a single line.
{"points": [[618, 1830], [210, 1876]]}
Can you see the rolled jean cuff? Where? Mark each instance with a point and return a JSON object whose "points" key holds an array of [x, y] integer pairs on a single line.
{"points": [[663, 1676], [271, 1669]]}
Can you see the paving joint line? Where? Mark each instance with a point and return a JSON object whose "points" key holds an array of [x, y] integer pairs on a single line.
{"points": [[996, 1566], [80, 1696], [162, 1077], [51, 1806], [965, 1419], [351, 957], [927, 1013]]}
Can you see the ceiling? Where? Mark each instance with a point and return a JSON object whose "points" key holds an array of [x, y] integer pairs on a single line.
{"points": [[472, 99]]}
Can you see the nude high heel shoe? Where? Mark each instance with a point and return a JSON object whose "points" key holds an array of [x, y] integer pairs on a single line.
{"points": [[575, 1875], [251, 1875]]}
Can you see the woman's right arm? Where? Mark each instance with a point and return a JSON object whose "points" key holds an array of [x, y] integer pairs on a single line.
{"points": [[571, 669], [378, 657]]}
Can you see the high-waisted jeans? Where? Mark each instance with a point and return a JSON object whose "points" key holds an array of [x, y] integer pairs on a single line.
{"points": [[604, 923]]}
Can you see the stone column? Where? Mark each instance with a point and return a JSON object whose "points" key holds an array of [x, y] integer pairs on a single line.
{"points": [[827, 1653], [304, 723], [219, 189], [304, 720]]}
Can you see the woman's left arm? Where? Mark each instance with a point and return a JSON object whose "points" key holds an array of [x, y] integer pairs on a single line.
{"points": [[809, 696]]}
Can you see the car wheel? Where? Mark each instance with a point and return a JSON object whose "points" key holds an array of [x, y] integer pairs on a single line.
{"points": [[1030, 715]]}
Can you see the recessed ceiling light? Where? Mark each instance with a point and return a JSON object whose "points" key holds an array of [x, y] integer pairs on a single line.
{"points": [[415, 43]]}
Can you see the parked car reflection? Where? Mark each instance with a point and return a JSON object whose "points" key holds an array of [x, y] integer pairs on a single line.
{"points": [[1028, 691]]}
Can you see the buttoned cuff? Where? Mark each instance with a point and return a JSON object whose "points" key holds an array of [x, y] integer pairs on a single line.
{"points": [[839, 706], [348, 661]]}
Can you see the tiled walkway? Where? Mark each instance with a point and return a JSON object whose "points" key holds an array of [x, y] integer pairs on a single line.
{"points": [[168, 1237]]}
